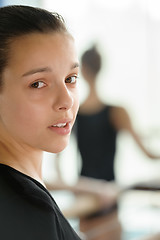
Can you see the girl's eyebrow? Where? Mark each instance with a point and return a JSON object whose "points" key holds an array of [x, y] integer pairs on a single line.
{"points": [[45, 69], [37, 70]]}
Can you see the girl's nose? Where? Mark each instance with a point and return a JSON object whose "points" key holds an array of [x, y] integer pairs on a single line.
{"points": [[64, 99]]}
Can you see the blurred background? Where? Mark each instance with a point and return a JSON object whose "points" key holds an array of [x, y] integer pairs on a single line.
{"points": [[128, 34]]}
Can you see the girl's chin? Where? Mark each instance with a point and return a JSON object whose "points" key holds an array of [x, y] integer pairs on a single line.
{"points": [[57, 149]]}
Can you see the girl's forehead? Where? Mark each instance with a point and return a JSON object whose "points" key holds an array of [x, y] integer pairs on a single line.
{"points": [[53, 50], [38, 45], [40, 38]]}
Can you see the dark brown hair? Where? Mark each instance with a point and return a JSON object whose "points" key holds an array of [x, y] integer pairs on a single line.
{"points": [[18, 20], [91, 58]]}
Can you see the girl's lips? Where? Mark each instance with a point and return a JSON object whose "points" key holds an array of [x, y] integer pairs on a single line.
{"points": [[61, 128]]}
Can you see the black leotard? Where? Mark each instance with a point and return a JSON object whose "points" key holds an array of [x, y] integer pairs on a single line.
{"points": [[96, 138], [28, 211]]}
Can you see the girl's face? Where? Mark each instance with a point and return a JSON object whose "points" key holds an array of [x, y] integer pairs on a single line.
{"points": [[39, 100]]}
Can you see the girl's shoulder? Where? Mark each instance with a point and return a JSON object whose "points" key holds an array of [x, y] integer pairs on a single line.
{"points": [[119, 117]]}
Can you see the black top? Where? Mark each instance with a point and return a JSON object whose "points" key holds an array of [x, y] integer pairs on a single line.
{"points": [[28, 211], [96, 138]]}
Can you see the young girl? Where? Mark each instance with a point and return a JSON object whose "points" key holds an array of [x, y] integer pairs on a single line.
{"points": [[99, 124], [38, 107]]}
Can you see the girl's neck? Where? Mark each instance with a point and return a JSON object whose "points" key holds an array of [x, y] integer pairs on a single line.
{"points": [[28, 162], [92, 103]]}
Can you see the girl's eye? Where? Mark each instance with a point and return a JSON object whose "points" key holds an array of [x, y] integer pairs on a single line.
{"points": [[38, 84], [72, 79]]}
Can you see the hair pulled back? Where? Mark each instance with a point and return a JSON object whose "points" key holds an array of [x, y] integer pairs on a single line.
{"points": [[17, 20], [92, 60]]}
